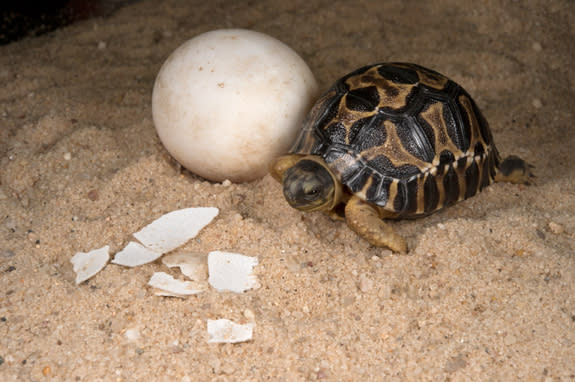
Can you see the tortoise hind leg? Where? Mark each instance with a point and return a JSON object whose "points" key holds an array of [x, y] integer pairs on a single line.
{"points": [[514, 170], [366, 221]]}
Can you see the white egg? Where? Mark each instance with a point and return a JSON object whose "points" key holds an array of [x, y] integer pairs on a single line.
{"points": [[227, 102]]}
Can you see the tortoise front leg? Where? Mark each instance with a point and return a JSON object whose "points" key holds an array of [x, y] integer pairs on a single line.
{"points": [[365, 220]]}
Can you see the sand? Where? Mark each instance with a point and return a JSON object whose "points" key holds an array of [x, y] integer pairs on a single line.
{"points": [[487, 291]]}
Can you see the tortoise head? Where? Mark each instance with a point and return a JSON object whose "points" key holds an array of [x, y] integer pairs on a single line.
{"points": [[310, 186]]}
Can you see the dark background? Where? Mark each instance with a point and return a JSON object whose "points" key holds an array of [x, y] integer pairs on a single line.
{"points": [[26, 18]]}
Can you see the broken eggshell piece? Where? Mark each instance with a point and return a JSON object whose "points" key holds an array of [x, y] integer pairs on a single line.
{"points": [[135, 254], [169, 286], [175, 228], [87, 264], [193, 265], [232, 272], [226, 331]]}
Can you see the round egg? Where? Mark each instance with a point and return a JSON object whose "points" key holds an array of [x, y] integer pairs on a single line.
{"points": [[227, 102]]}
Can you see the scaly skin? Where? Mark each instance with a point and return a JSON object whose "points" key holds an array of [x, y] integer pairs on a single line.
{"points": [[365, 220], [514, 170]]}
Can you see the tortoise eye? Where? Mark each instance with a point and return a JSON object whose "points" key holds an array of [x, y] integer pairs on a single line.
{"points": [[313, 191]]}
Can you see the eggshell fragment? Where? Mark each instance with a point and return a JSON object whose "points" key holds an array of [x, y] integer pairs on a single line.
{"points": [[228, 101], [232, 272], [175, 228], [87, 264], [193, 265], [169, 286], [226, 331], [135, 254]]}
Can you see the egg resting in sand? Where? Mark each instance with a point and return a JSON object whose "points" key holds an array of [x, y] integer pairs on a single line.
{"points": [[226, 102]]}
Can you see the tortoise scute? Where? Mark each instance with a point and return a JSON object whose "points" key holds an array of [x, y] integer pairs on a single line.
{"points": [[446, 157], [363, 99], [405, 171], [337, 133], [479, 149], [366, 133], [398, 74], [451, 187], [471, 180], [415, 140], [431, 194], [325, 114]]}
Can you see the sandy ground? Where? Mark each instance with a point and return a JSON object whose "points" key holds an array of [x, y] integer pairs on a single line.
{"points": [[487, 291]]}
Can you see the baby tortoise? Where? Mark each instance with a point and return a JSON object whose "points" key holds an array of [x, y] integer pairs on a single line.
{"points": [[392, 140]]}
